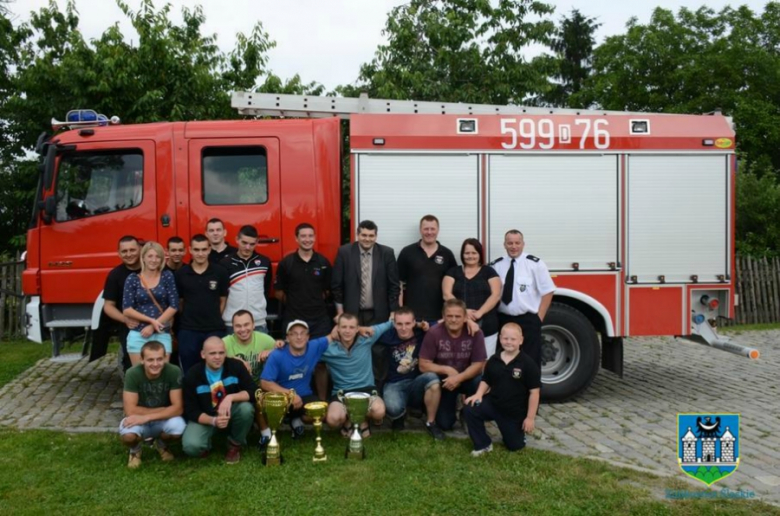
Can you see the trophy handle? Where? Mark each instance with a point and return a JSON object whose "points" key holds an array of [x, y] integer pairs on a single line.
{"points": [[291, 398], [259, 397], [340, 395]]}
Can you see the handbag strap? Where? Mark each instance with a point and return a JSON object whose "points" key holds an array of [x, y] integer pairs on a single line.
{"points": [[150, 294]]}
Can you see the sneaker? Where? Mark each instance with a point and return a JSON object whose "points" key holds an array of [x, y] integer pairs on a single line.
{"points": [[434, 430], [233, 454], [134, 461], [478, 453], [263, 444], [398, 424], [297, 431], [165, 453]]}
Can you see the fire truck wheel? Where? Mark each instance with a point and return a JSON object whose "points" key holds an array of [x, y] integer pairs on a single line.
{"points": [[570, 353]]}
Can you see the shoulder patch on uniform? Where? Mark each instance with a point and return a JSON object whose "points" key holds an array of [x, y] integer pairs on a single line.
{"points": [[496, 260], [532, 258]]}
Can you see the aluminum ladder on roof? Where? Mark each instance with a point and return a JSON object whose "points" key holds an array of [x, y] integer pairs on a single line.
{"points": [[312, 106]]}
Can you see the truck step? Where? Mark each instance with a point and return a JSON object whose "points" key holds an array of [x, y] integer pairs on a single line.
{"points": [[69, 323]]}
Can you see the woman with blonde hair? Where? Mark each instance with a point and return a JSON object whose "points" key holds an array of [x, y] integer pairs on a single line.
{"points": [[151, 299]]}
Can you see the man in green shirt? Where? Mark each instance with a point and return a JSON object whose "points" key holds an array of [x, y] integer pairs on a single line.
{"points": [[252, 348], [153, 404]]}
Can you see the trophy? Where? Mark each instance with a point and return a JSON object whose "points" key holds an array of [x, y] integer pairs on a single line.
{"points": [[357, 405], [274, 406], [316, 411]]}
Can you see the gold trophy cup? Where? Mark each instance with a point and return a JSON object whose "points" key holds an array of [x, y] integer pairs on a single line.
{"points": [[274, 406], [316, 411], [357, 405]]}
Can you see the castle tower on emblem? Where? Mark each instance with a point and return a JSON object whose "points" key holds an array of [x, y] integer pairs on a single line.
{"points": [[727, 446], [689, 446]]}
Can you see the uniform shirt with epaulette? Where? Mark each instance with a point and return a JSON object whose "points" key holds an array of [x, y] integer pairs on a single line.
{"points": [[532, 282]]}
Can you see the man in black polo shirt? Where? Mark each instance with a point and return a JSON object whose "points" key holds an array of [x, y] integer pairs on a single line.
{"points": [[112, 320], [176, 251], [514, 381], [216, 233], [203, 289], [421, 268], [303, 284]]}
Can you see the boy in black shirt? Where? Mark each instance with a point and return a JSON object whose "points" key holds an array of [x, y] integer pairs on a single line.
{"points": [[514, 381]]}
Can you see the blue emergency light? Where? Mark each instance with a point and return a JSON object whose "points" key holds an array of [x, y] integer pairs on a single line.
{"points": [[84, 118], [86, 115]]}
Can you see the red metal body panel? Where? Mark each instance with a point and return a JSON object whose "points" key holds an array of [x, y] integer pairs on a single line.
{"points": [[601, 287], [439, 132], [656, 310], [304, 186]]}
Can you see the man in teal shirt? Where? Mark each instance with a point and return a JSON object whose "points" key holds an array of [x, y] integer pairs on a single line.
{"points": [[349, 360]]}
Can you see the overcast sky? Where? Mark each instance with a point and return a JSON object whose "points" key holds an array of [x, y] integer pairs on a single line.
{"points": [[328, 40]]}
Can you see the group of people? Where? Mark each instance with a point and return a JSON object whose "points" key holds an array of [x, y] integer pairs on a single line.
{"points": [[416, 332]]}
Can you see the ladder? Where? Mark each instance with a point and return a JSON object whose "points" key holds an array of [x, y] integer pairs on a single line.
{"points": [[312, 106]]}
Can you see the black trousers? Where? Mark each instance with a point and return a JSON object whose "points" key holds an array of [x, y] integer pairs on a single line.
{"points": [[511, 428], [532, 334]]}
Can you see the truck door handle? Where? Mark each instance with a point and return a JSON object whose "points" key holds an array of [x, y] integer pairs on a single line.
{"points": [[267, 240]]}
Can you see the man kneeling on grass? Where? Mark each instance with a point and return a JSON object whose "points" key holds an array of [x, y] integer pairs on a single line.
{"points": [[219, 395], [514, 381], [153, 406]]}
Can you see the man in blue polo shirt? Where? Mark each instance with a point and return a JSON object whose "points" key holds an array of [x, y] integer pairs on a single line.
{"points": [[291, 367], [349, 361]]}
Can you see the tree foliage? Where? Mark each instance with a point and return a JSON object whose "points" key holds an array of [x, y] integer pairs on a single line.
{"points": [[573, 45], [459, 51]]}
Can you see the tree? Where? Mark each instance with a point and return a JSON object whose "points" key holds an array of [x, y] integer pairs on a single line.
{"points": [[459, 51], [573, 45], [698, 62], [758, 213]]}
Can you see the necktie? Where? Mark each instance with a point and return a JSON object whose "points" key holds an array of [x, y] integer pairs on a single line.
{"points": [[365, 277], [509, 284]]}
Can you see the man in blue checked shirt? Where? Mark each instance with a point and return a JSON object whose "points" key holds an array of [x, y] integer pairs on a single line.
{"points": [[349, 361]]}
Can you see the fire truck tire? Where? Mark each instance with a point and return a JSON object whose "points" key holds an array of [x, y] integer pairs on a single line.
{"points": [[570, 353]]}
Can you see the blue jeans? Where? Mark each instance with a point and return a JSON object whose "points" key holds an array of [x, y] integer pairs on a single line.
{"points": [[172, 426], [135, 341], [408, 391]]}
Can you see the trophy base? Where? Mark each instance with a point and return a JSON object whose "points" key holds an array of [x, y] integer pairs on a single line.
{"points": [[320, 459], [272, 461], [355, 455]]}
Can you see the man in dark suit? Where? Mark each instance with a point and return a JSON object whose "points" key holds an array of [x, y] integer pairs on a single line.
{"points": [[365, 283], [365, 278]]}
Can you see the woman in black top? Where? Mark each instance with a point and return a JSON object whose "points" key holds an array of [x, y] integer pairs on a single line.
{"points": [[479, 286]]}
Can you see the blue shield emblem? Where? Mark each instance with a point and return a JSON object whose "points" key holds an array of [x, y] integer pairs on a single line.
{"points": [[708, 445]]}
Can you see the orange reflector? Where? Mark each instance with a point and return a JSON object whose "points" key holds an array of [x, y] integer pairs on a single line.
{"points": [[754, 354]]}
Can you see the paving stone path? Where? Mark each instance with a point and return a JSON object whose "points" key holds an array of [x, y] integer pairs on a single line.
{"points": [[630, 421]]}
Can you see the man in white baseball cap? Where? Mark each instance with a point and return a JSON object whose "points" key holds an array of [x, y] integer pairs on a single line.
{"points": [[291, 367]]}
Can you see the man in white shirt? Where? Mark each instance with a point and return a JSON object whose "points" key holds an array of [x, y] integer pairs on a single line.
{"points": [[526, 292]]}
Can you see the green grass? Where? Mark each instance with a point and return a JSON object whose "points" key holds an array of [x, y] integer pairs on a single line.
{"points": [[47, 471], [407, 474], [749, 327], [18, 355]]}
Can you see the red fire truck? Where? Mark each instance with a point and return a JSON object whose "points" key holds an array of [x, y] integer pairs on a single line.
{"points": [[633, 213]]}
